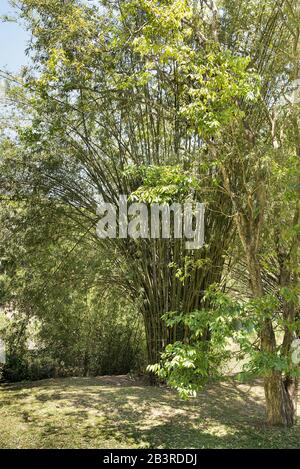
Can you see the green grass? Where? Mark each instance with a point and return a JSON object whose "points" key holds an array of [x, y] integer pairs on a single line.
{"points": [[103, 413]]}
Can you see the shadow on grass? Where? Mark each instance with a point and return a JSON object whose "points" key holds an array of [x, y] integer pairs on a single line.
{"points": [[224, 415]]}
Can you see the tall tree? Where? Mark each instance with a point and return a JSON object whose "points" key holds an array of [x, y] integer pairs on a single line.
{"points": [[112, 97]]}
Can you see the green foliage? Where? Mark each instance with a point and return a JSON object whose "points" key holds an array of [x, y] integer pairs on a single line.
{"points": [[165, 101], [210, 335], [91, 339], [163, 184], [187, 365]]}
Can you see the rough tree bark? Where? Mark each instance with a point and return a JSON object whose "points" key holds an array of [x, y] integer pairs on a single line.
{"points": [[280, 391]]}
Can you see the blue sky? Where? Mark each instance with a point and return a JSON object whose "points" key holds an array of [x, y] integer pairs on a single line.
{"points": [[13, 41]]}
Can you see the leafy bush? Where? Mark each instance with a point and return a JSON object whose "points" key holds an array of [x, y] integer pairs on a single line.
{"points": [[103, 335]]}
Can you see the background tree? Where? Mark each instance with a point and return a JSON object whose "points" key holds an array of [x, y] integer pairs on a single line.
{"points": [[115, 89]]}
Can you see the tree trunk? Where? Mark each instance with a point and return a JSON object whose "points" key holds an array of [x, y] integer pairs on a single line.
{"points": [[280, 392], [165, 292], [281, 400]]}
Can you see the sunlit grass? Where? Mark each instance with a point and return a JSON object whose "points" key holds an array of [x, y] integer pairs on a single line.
{"points": [[90, 413]]}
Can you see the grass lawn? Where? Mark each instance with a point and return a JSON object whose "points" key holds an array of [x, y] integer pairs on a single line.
{"points": [[114, 412]]}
